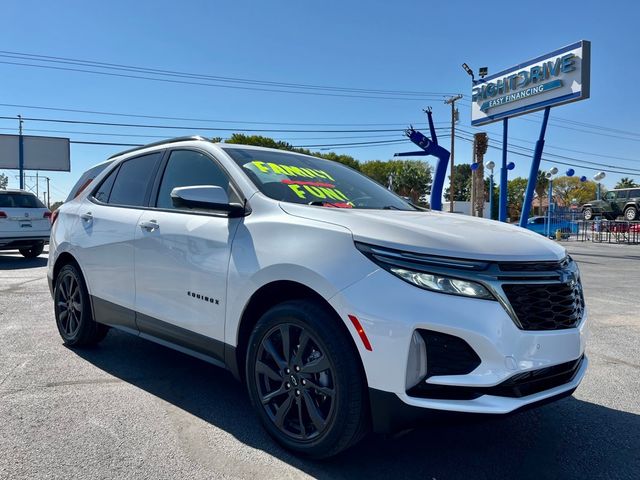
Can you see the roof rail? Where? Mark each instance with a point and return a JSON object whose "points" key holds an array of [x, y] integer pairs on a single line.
{"points": [[155, 144]]}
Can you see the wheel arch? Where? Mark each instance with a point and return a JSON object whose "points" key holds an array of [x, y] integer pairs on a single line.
{"points": [[64, 258], [265, 297]]}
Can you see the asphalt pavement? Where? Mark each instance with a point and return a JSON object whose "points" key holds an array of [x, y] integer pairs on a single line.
{"points": [[129, 408]]}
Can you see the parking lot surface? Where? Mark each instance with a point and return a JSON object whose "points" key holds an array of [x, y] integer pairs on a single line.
{"points": [[133, 409]]}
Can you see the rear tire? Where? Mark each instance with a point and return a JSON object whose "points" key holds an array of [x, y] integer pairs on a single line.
{"points": [[305, 380], [72, 308], [33, 251], [630, 214]]}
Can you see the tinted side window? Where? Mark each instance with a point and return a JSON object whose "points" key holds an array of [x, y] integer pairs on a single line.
{"points": [[622, 195], [189, 168], [133, 180], [634, 194], [102, 194]]}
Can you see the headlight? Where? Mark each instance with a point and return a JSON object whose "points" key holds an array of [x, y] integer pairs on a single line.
{"points": [[431, 272], [440, 283]]}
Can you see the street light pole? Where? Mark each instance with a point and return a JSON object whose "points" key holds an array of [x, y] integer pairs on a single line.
{"points": [[490, 166], [597, 177]]}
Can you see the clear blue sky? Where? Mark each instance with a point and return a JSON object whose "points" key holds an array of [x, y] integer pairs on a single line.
{"points": [[401, 45]]}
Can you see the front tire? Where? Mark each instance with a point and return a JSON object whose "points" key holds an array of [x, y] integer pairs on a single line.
{"points": [[73, 310], [33, 251], [305, 380], [630, 214]]}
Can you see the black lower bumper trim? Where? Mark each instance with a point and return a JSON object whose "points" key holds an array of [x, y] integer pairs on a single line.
{"points": [[390, 414], [518, 386]]}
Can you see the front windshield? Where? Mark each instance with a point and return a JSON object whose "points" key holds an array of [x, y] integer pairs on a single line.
{"points": [[295, 178]]}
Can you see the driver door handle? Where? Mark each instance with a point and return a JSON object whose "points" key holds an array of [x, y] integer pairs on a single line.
{"points": [[87, 216], [150, 226]]}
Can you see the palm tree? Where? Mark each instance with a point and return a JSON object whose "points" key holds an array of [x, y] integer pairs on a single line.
{"points": [[626, 182], [542, 184]]}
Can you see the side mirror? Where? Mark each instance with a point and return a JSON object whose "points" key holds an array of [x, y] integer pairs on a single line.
{"points": [[205, 197]]}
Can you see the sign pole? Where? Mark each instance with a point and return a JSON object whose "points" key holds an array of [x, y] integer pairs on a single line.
{"points": [[20, 152], [533, 174], [502, 212], [549, 207], [491, 195]]}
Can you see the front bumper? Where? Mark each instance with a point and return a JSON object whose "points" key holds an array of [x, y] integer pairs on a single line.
{"points": [[390, 310]]}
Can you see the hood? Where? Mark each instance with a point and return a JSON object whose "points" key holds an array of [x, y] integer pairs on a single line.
{"points": [[436, 233]]}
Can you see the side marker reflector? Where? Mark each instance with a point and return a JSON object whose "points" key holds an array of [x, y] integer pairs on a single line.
{"points": [[360, 330]]}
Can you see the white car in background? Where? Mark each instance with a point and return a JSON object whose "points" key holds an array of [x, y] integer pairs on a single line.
{"points": [[341, 306], [24, 222]]}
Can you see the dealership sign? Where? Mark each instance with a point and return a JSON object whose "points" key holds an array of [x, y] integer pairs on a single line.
{"points": [[559, 77]]}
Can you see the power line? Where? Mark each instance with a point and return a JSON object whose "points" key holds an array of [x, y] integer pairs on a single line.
{"points": [[117, 66], [133, 135], [355, 144], [559, 122], [211, 129], [559, 162], [161, 117], [398, 96], [575, 151]]}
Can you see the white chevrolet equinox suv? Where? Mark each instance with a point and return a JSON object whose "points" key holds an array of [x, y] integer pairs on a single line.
{"points": [[342, 307]]}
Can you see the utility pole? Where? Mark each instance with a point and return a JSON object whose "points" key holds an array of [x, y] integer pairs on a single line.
{"points": [[20, 152], [48, 193], [452, 101]]}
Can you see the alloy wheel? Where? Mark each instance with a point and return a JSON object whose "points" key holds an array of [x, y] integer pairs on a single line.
{"points": [[69, 305], [630, 214], [295, 381]]}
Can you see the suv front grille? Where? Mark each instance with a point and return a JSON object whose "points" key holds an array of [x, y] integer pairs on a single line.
{"points": [[548, 306]]}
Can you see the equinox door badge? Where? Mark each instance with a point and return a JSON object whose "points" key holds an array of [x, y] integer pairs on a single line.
{"points": [[198, 296]]}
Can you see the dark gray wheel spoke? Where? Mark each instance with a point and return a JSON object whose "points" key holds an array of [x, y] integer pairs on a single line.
{"points": [[77, 306], [64, 315], [303, 429], [270, 396], [71, 324], [316, 366], [271, 350], [314, 413], [302, 345], [63, 291], [62, 305], [284, 333], [265, 369], [282, 411], [67, 284], [329, 392]]}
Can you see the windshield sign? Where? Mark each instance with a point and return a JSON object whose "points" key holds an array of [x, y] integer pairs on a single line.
{"points": [[295, 178]]}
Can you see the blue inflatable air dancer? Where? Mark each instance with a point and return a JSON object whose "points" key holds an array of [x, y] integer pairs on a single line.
{"points": [[430, 147]]}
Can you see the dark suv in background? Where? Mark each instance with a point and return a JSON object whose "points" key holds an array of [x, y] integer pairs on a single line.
{"points": [[622, 201]]}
